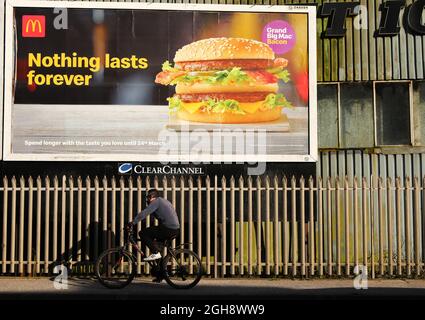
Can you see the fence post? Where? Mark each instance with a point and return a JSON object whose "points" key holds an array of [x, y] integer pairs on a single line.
{"points": [[5, 223], [407, 199], [398, 213], [38, 227], [302, 191], [96, 218], [347, 225], [250, 226], [390, 225], [267, 223], [356, 221], [276, 226], [381, 227], [63, 217], [199, 218], [364, 220], [294, 227], [21, 223], [139, 224], [223, 225], [105, 214], [79, 217], [71, 218], [232, 225], [241, 226], [208, 222], [416, 223], [215, 226], [30, 224], [338, 224], [259, 222], [87, 224], [46, 224], [285, 233], [311, 235], [329, 224], [190, 222], [320, 222]]}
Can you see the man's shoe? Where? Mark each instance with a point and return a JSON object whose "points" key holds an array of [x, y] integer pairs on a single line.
{"points": [[153, 256]]}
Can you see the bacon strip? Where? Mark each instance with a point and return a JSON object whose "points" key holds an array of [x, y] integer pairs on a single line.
{"points": [[165, 77]]}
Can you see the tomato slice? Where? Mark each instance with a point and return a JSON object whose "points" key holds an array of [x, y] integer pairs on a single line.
{"points": [[262, 76], [165, 77]]}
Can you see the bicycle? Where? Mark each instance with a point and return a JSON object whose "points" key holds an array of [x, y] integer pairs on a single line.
{"points": [[116, 268]]}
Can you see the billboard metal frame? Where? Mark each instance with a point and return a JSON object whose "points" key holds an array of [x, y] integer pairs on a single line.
{"points": [[312, 155]]}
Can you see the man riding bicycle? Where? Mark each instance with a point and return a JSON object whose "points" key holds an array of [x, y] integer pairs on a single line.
{"points": [[168, 227]]}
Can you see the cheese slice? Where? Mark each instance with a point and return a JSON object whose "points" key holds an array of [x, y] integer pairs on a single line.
{"points": [[248, 107], [192, 107]]}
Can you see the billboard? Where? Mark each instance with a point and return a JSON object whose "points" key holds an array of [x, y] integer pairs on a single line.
{"points": [[159, 82]]}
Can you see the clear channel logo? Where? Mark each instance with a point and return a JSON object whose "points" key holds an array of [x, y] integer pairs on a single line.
{"points": [[125, 168]]}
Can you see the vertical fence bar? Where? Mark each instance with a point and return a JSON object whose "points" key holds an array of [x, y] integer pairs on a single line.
{"points": [[356, 221], [390, 225], [105, 213], [5, 224], [364, 221], [311, 236], [416, 224], [329, 224], [267, 235], [130, 215], [232, 226], [259, 267], [96, 218], [381, 226], [139, 224], [250, 226], [208, 223], [122, 214], [223, 226], [87, 220], [113, 210], [294, 241], [182, 209], [338, 225], [63, 217], [165, 195], [407, 197], [55, 217], [320, 222], [38, 228], [241, 226], [79, 217], [276, 226], [13, 227], [21, 224], [398, 213], [46, 224], [199, 218], [302, 192], [71, 219], [190, 222], [30, 261], [285, 234], [215, 226], [347, 226]]}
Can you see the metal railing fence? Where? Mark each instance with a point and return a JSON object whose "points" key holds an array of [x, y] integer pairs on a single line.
{"points": [[275, 226]]}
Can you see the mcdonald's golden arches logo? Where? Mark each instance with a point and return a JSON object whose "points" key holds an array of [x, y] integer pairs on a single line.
{"points": [[33, 26]]}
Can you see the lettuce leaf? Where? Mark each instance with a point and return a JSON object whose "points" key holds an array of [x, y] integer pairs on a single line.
{"points": [[272, 101], [276, 100], [280, 73]]}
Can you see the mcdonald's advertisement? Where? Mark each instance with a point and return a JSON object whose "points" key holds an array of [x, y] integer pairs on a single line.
{"points": [[154, 82]]}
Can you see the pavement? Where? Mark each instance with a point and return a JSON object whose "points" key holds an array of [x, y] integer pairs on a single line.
{"points": [[230, 288]]}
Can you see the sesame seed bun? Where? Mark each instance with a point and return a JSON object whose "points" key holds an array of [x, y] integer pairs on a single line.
{"points": [[224, 49], [229, 117]]}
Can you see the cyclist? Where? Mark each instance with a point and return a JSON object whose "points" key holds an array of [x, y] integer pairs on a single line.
{"points": [[168, 227]]}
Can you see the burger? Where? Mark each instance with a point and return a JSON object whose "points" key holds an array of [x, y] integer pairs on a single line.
{"points": [[226, 80]]}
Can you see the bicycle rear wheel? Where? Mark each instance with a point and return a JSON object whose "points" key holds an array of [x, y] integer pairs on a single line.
{"points": [[115, 268], [183, 270]]}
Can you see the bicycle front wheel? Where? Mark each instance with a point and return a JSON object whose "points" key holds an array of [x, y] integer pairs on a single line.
{"points": [[115, 268], [183, 269]]}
